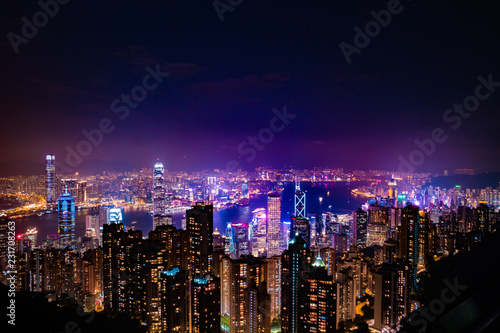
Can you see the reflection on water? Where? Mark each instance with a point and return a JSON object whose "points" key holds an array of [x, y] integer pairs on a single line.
{"points": [[336, 198]]}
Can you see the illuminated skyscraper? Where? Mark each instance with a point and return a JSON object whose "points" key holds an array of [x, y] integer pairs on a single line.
{"points": [[483, 217], [308, 293], [218, 239], [378, 221], [300, 200], [81, 195], [408, 241], [391, 295], [174, 301], [205, 304], [93, 229], [274, 285], [66, 209], [249, 301], [359, 229], [240, 241], [301, 225], [273, 225], [111, 238], [159, 193], [70, 185], [50, 178], [259, 235], [200, 226]]}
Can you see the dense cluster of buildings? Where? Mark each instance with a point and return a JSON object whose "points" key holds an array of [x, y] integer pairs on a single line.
{"points": [[313, 275]]}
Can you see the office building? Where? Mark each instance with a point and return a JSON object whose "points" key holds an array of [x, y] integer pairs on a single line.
{"points": [[66, 221], [159, 193], [301, 226], [359, 230], [273, 225], [50, 178]]}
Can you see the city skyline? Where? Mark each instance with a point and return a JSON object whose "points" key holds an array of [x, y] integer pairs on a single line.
{"points": [[397, 89], [327, 270], [232, 166]]}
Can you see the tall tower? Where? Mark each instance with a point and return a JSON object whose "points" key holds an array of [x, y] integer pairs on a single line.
{"points": [[66, 230], [273, 225], [200, 225], [308, 294], [408, 241], [359, 228], [301, 226], [50, 179], [158, 195], [300, 199]]}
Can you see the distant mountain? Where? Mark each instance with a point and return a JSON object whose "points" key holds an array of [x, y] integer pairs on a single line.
{"points": [[87, 167], [490, 179]]}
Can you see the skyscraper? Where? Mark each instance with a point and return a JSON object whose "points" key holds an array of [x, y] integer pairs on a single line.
{"points": [[93, 229], [248, 298], [69, 185], [273, 225], [408, 241], [300, 200], [66, 217], [205, 304], [359, 228], [240, 241], [50, 179], [81, 195], [378, 221], [259, 234], [274, 285], [200, 226], [483, 217], [159, 193], [391, 295], [301, 225], [174, 302], [308, 293]]}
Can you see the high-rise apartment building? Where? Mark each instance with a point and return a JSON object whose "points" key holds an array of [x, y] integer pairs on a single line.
{"points": [[200, 224]]}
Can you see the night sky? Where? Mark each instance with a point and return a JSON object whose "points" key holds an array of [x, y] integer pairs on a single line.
{"points": [[226, 77]]}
